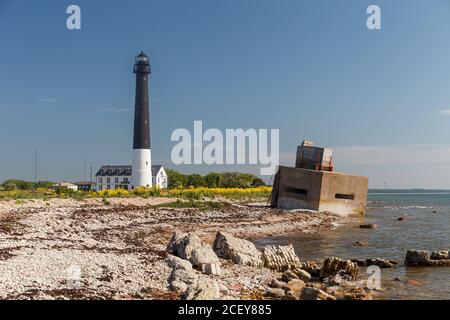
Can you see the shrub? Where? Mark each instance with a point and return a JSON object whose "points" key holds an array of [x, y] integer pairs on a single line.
{"points": [[213, 180], [10, 186], [20, 184], [195, 180], [176, 179], [257, 182]]}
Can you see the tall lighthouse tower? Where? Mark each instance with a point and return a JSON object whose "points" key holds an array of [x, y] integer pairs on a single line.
{"points": [[142, 159]]}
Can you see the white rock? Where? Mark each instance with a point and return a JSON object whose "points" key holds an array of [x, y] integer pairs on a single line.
{"points": [[204, 255], [182, 244], [212, 268], [182, 274], [203, 289], [178, 263], [240, 251]]}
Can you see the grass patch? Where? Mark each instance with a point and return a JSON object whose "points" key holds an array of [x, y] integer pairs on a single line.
{"points": [[192, 194]]}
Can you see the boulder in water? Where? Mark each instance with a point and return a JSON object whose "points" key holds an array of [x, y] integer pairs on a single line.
{"points": [[332, 266], [372, 226], [440, 255], [422, 258], [417, 258], [382, 263]]}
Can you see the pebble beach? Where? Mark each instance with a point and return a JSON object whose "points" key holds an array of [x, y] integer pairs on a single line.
{"points": [[89, 249]]}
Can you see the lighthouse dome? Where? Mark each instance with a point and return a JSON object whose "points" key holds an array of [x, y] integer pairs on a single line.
{"points": [[142, 58]]}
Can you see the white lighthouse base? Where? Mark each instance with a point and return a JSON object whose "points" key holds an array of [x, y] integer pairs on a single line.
{"points": [[141, 175]]}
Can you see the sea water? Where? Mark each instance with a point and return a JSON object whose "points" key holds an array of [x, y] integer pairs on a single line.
{"points": [[426, 227]]}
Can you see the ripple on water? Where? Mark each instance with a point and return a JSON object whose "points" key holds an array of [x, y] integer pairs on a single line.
{"points": [[426, 227]]}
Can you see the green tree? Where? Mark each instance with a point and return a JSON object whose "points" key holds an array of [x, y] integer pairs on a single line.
{"points": [[245, 180], [230, 180], [176, 179], [213, 180], [238, 180], [257, 182], [196, 180], [20, 184], [27, 185], [9, 186], [44, 184]]}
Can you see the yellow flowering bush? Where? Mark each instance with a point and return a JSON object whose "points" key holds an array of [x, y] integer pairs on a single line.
{"points": [[180, 192], [197, 193], [116, 193]]}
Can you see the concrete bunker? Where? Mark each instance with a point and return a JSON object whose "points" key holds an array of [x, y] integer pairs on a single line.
{"points": [[313, 184]]}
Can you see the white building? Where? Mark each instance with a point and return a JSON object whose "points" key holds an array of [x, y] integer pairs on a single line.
{"points": [[119, 177], [65, 185]]}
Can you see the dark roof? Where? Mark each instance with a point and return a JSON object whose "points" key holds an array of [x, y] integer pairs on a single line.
{"points": [[114, 171], [155, 169], [85, 183], [121, 170]]}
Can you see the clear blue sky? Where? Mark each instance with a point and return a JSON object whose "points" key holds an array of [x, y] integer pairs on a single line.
{"points": [[310, 68]]}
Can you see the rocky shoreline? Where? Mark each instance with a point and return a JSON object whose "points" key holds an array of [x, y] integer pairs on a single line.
{"points": [[92, 249], [194, 263], [136, 248]]}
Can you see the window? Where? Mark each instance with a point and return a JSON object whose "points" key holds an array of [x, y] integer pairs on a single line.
{"points": [[116, 180], [100, 187], [296, 192], [125, 180], [108, 187], [345, 196], [100, 180], [108, 180]]}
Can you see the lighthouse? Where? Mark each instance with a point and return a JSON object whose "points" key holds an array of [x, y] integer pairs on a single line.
{"points": [[141, 174]]}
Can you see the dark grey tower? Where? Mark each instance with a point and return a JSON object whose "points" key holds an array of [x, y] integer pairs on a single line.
{"points": [[142, 164]]}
